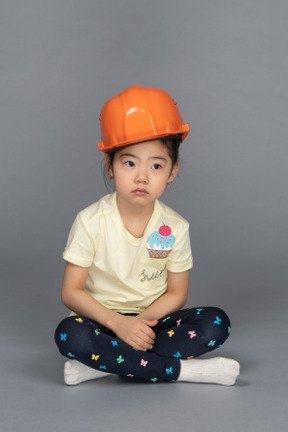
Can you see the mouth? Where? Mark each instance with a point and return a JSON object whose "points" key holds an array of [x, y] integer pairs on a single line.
{"points": [[140, 192]]}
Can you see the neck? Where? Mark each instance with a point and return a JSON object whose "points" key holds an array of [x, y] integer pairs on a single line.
{"points": [[135, 218], [139, 211]]}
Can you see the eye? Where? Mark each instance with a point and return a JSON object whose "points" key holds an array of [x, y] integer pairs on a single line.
{"points": [[156, 166], [129, 164]]}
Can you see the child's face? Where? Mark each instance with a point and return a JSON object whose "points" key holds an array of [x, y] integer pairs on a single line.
{"points": [[141, 172]]}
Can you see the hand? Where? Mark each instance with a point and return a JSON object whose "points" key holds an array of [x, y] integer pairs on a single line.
{"points": [[136, 332]]}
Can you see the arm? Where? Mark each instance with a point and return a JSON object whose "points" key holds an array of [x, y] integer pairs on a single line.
{"points": [[174, 298], [76, 299], [132, 330]]}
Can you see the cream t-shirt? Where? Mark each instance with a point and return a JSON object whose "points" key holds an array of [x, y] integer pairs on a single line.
{"points": [[122, 276]]}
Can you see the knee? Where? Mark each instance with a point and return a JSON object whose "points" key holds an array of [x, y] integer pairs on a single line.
{"points": [[217, 326], [221, 318], [61, 333], [75, 336], [68, 335]]}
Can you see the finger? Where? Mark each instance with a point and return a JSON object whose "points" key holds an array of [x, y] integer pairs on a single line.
{"points": [[149, 333], [149, 329], [134, 344], [142, 342], [137, 347], [150, 323], [147, 341]]}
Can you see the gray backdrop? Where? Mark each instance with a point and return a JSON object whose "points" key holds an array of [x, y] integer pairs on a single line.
{"points": [[226, 64]]}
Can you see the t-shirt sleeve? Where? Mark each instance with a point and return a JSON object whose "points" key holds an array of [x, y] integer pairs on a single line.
{"points": [[80, 248], [180, 259]]}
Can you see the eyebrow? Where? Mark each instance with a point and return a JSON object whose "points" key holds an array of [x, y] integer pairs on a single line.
{"points": [[137, 157]]}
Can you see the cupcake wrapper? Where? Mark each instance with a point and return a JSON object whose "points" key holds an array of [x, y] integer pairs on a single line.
{"points": [[158, 254]]}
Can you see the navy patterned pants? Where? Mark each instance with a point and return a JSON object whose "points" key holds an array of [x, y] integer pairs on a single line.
{"points": [[184, 334]]}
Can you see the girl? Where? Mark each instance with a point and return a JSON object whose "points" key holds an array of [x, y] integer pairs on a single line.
{"points": [[128, 260]]}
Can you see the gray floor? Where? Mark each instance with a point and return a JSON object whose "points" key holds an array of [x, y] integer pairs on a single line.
{"points": [[34, 398]]}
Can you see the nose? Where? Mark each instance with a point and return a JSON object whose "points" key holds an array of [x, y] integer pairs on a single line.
{"points": [[141, 176]]}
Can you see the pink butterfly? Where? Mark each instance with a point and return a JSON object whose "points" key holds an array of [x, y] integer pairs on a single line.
{"points": [[192, 334], [179, 322], [143, 362]]}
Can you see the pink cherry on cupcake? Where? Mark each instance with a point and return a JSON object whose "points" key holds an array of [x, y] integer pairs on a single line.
{"points": [[165, 230]]}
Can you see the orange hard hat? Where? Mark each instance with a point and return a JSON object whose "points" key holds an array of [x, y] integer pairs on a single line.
{"points": [[139, 114]]}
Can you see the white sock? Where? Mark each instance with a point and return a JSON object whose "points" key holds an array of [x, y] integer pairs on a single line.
{"points": [[76, 372], [217, 370]]}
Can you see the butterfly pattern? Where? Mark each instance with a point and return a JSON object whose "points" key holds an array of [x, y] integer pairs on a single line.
{"points": [[192, 334], [217, 320], [145, 367]]}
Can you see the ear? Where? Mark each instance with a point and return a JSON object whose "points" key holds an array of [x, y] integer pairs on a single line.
{"points": [[174, 172], [108, 164]]}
